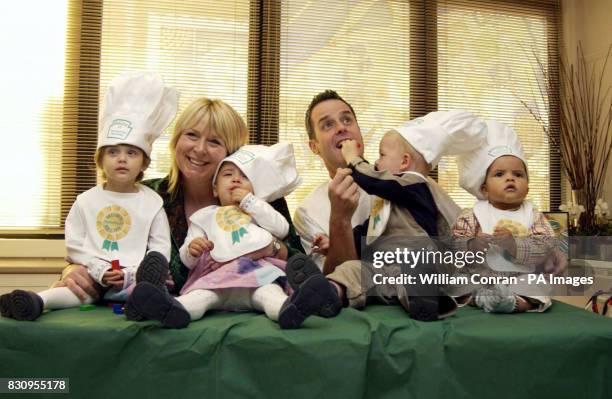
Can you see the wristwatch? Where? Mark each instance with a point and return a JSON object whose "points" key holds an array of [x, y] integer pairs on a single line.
{"points": [[276, 247]]}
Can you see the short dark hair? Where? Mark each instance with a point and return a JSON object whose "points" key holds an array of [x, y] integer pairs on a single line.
{"points": [[319, 98]]}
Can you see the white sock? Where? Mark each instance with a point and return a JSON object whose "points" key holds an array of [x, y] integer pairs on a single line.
{"points": [[197, 302], [61, 298], [269, 299]]}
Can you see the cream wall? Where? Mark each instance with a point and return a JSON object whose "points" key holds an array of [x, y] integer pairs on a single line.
{"points": [[590, 22]]}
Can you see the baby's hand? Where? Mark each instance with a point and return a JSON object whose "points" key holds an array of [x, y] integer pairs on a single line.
{"points": [[503, 238], [238, 194], [198, 245], [350, 150], [502, 231], [480, 243], [113, 278], [320, 244]]}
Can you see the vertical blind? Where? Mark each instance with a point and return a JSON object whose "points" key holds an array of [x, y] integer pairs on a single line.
{"points": [[199, 47], [31, 112], [361, 49], [392, 60], [395, 60], [488, 53], [49, 116]]}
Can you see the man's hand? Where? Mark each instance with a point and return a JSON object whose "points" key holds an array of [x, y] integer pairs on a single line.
{"points": [[113, 278], [238, 194], [77, 279], [343, 195], [350, 150], [197, 246]]}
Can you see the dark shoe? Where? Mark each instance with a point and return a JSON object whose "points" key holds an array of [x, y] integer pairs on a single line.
{"points": [[299, 268], [24, 305], [309, 299], [153, 269], [424, 299], [153, 303], [424, 308], [5, 305]]}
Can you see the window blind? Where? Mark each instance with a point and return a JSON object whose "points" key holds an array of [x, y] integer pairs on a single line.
{"points": [[52, 91], [488, 54], [31, 114], [392, 60], [361, 49], [199, 47], [396, 60]]}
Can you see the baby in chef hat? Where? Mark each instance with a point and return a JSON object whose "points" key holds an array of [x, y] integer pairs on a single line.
{"points": [[497, 175], [232, 248], [407, 204], [119, 224]]}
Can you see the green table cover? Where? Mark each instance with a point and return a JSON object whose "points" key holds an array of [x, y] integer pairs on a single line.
{"points": [[378, 353]]}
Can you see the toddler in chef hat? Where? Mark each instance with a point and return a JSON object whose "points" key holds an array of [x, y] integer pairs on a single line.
{"points": [[242, 228], [407, 204], [497, 175], [118, 225]]}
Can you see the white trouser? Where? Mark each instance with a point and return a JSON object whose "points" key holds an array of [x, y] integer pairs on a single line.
{"points": [[268, 299]]}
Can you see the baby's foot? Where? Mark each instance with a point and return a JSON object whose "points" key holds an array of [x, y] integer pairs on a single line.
{"points": [[153, 303], [153, 269], [310, 298], [21, 305], [300, 268]]}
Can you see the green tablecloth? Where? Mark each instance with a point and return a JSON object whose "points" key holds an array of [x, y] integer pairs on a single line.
{"points": [[378, 353]]}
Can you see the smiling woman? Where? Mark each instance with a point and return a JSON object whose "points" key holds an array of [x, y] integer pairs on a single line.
{"points": [[205, 133]]}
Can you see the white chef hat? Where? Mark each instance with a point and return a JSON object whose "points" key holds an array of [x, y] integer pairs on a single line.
{"points": [[270, 169], [443, 133], [500, 140], [137, 108]]}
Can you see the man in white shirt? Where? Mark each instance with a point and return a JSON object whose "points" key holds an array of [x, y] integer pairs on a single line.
{"points": [[328, 209]]}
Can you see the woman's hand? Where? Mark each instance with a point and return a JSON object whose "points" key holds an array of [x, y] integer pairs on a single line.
{"points": [[77, 279], [113, 278], [197, 246], [269, 252]]}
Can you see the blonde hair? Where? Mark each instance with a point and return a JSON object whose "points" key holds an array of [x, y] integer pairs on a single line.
{"points": [[216, 115], [99, 154], [419, 161]]}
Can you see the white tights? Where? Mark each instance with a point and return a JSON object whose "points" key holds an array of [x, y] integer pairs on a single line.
{"points": [[61, 298], [268, 299]]}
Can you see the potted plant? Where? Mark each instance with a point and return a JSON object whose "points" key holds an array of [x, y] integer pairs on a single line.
{"points": [[585, 136]]}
